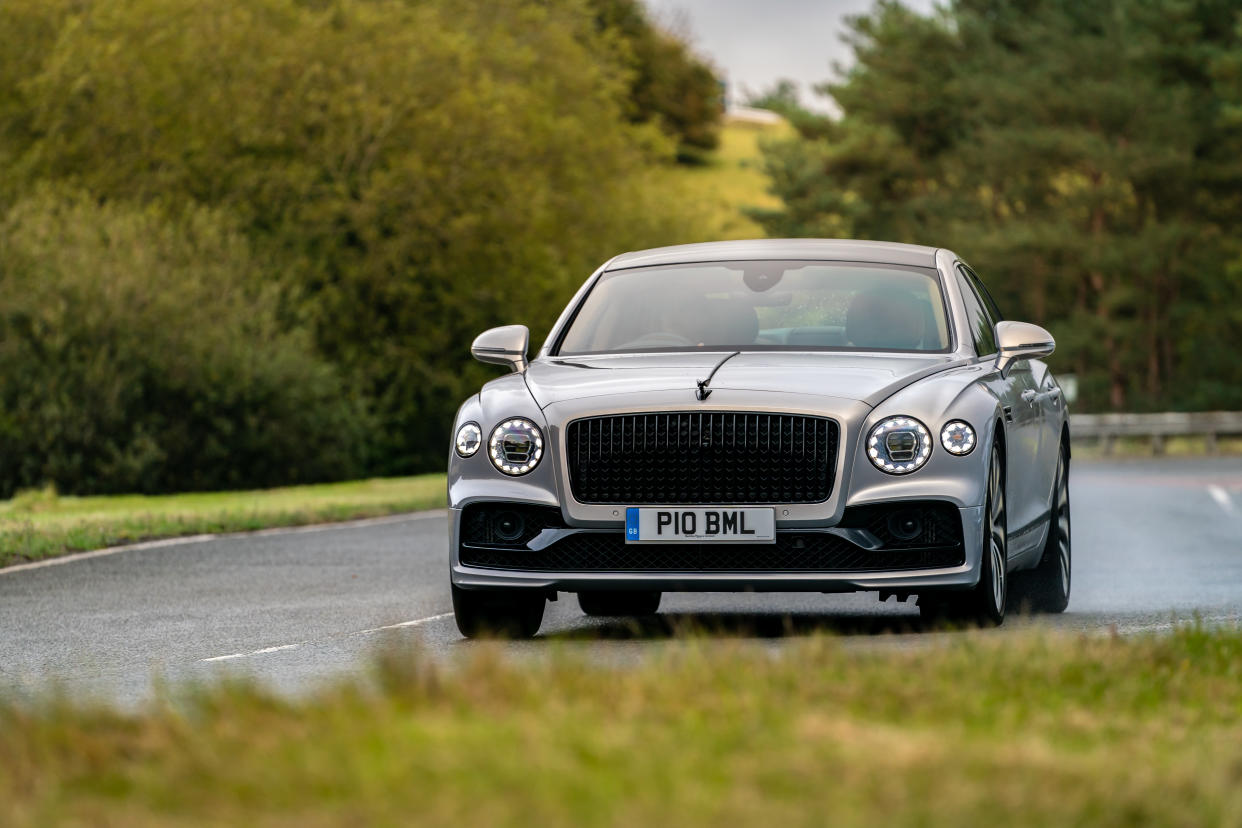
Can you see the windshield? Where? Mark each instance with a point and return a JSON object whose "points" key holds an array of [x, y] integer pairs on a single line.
{"points": [[746, 306]]}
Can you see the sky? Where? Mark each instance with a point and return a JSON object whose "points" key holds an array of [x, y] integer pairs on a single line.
{"points": [[757, 42]]}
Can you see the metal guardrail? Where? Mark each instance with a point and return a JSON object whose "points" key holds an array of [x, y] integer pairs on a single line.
{"points": [[1104, 429]]}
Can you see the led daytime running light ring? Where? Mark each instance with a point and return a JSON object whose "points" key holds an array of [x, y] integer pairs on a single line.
{"points": [[512, 459]]}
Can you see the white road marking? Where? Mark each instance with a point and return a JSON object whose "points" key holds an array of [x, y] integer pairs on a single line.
{"points": [[189, 539], [417, 622], [253, 652], [328, 527], [100, 553], [1222, 498]]}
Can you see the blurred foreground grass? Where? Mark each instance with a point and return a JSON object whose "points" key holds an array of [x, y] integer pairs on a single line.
{"points": [[40, 524], [1028, 728]]}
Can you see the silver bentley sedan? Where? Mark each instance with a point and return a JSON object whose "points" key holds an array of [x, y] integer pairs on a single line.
{"points": [[807, 415]]}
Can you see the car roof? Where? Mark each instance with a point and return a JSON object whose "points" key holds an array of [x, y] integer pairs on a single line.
{"points": [[840, 250]]}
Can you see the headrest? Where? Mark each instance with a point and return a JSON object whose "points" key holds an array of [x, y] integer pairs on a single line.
{"points": [[885, 318], [727, 322]]}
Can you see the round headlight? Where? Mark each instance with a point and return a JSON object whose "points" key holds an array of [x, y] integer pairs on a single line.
{"points": [[899, 445], [516, 446], [469, 438], [958, 438]]}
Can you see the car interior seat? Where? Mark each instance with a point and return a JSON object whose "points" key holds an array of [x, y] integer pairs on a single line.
{"points": [[727, 322], [886, 319]]}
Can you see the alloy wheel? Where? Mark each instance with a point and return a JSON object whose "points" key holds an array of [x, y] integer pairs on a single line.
{"points": [[997, 533], [1063, 525]]}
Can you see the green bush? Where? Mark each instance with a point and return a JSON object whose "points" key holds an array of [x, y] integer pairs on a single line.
{"points": [[141, 352]]}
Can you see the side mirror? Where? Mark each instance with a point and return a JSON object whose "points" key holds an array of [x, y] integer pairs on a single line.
{"points": [[503, 346], [1021, 340]]}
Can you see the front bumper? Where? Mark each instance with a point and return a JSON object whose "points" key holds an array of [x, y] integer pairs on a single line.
{"points": [[809, 559]]}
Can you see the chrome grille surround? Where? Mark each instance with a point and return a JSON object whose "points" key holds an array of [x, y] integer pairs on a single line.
{"points": [[708, 457]]}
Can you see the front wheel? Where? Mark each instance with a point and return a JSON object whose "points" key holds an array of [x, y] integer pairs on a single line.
{"points": [[511, 613], [985, 604], [1046, 588]]}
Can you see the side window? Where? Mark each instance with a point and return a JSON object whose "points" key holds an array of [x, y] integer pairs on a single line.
{"points": [[985, 296], [982, 325]]}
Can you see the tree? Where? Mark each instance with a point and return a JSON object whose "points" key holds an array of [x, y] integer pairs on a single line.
{"points": [[412, 172], [668, 84], [1075, 153]]}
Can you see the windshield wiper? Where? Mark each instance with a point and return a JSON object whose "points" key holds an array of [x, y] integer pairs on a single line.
{"points": [[704, 392]]}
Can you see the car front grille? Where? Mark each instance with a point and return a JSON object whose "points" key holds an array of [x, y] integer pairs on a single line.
{"points": [[792, 552], [702, 457]]}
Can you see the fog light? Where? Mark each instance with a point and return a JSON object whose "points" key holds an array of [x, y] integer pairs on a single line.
{"points": [[905, 526], [508, 526]]}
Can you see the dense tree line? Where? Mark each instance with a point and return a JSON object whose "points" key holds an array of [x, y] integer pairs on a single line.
{"points": [[669, 85], [248, 242], [1085, 157]]}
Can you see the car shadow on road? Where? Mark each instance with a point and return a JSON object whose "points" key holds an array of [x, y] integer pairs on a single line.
{"points": [[743, 625]]}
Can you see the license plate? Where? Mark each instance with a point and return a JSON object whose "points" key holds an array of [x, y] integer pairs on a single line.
{"points": [[709, 525]]}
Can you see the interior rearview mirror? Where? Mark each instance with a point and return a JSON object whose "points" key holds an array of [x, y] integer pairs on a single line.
{"points": [[1021, 340], [503, 346]]}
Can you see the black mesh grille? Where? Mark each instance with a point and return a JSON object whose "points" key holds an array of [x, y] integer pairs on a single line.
{"points": [[792, 552], [702, 457]]}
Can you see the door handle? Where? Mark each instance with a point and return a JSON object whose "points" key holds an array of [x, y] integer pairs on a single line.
{"points": [[1031, 397]]}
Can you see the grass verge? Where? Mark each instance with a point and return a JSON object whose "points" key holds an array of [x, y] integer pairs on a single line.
{"points": [[1173, 447], [988, 729], [38, 525]]}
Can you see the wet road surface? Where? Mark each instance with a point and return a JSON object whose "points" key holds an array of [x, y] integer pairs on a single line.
{"points": [[1154, 541]]}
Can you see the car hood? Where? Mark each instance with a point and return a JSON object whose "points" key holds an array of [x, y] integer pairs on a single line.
{"points": [[868, 378]]}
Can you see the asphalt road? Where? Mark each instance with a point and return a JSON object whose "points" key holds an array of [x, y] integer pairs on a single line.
{"points": [[1154, 541]]}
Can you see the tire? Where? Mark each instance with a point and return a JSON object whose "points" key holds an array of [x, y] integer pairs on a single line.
{"points": [[619, 603], [985, 604], [1046, 588], [515, 613]]}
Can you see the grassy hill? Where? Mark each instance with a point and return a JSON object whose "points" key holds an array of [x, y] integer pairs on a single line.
{"points": [[731, 181]]}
